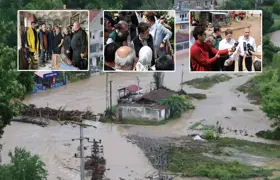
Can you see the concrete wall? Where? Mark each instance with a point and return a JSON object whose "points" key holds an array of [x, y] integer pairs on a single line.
{"points": [[141, 112]]}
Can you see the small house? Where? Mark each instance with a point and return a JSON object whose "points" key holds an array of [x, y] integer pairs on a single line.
{"points": [[129, 90]]}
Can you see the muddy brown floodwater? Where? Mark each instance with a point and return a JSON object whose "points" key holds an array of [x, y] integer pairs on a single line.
{"points": [[124, 159]]}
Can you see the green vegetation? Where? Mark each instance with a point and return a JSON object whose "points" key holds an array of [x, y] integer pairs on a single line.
{"points": [[264, 89], [208, 81], [258, 149], [191, 161], [177, 105], [23, 166]]}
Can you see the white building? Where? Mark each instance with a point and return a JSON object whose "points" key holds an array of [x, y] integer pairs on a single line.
{"points": [[96, 41]]}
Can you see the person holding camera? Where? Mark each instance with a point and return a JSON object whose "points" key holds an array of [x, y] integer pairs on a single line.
{"points": [[199, 52], [246, 42]]}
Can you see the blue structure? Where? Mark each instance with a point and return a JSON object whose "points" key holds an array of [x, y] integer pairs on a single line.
{"points": [[48, 79]]}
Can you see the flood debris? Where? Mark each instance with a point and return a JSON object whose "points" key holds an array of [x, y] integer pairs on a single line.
{"points": [[233, 108], [198, 138], [59, 114], [247, 110]]}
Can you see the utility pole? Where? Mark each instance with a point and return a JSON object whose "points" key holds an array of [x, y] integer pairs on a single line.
{"points": [[182, 77], [82, 160], [107, 102], [110, 97]]}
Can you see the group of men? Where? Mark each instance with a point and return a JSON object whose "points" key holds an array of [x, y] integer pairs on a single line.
{"points": [[137, 41], [48, 41], [212, 53]]}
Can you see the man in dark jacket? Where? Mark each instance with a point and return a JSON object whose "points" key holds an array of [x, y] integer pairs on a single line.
{"points": [[79, 47], [67, 43], [50, 41], [43, 39], [143, 39]]}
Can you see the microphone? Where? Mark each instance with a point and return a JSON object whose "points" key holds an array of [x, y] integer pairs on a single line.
{"points": [[244, 46]]}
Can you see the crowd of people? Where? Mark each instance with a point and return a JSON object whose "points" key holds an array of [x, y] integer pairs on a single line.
{"points": [[137, 41], [40, 43], [214, 53]]}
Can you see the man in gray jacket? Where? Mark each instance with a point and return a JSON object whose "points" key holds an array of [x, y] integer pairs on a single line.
{"points": [[160, 35]]}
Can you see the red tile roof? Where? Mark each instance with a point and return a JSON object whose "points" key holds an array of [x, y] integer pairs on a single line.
{"points": [[156, 95], [156, 106], [182, 37], [133, 88]]}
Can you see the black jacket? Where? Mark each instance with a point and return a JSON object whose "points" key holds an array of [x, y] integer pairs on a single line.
{"points": [[138, 45], [67, 42], [79, 42]]}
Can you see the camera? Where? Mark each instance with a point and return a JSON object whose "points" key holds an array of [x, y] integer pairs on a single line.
{"points": [[235, 46], [250, 48]]}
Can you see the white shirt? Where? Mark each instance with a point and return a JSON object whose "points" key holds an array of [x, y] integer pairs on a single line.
{"points": [[109, 40], [153, 30], [250, 40], [224, 44], [139, 18]]}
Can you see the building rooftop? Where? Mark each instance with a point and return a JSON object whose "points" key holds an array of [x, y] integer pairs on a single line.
{"points": [[156, 106], [156, 95], [133, 88]]}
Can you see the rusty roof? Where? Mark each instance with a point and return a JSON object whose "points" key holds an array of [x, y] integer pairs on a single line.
{"points": [[133, 88], [157, 95], [156, 106]]}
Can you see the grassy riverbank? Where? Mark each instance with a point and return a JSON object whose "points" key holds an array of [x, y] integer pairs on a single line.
{"points": [[223, 158], [207, 81]]}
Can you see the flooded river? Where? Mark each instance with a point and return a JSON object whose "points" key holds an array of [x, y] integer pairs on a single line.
{"points": [[124, 159]]}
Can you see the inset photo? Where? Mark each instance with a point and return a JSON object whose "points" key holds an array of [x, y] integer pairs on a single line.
{"points": [[139, 41], [53, 40], [229, 41]]}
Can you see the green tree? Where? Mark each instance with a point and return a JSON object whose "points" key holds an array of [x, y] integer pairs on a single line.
{"points": [[268, 20], [8, 31], [240, 4], [268, 2], [9, 9], [269, 50], [271, 98], [157, 4], [177, 104], [23, 166], [107, 5], [43, 5], [10, 86], [276, 8]]}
